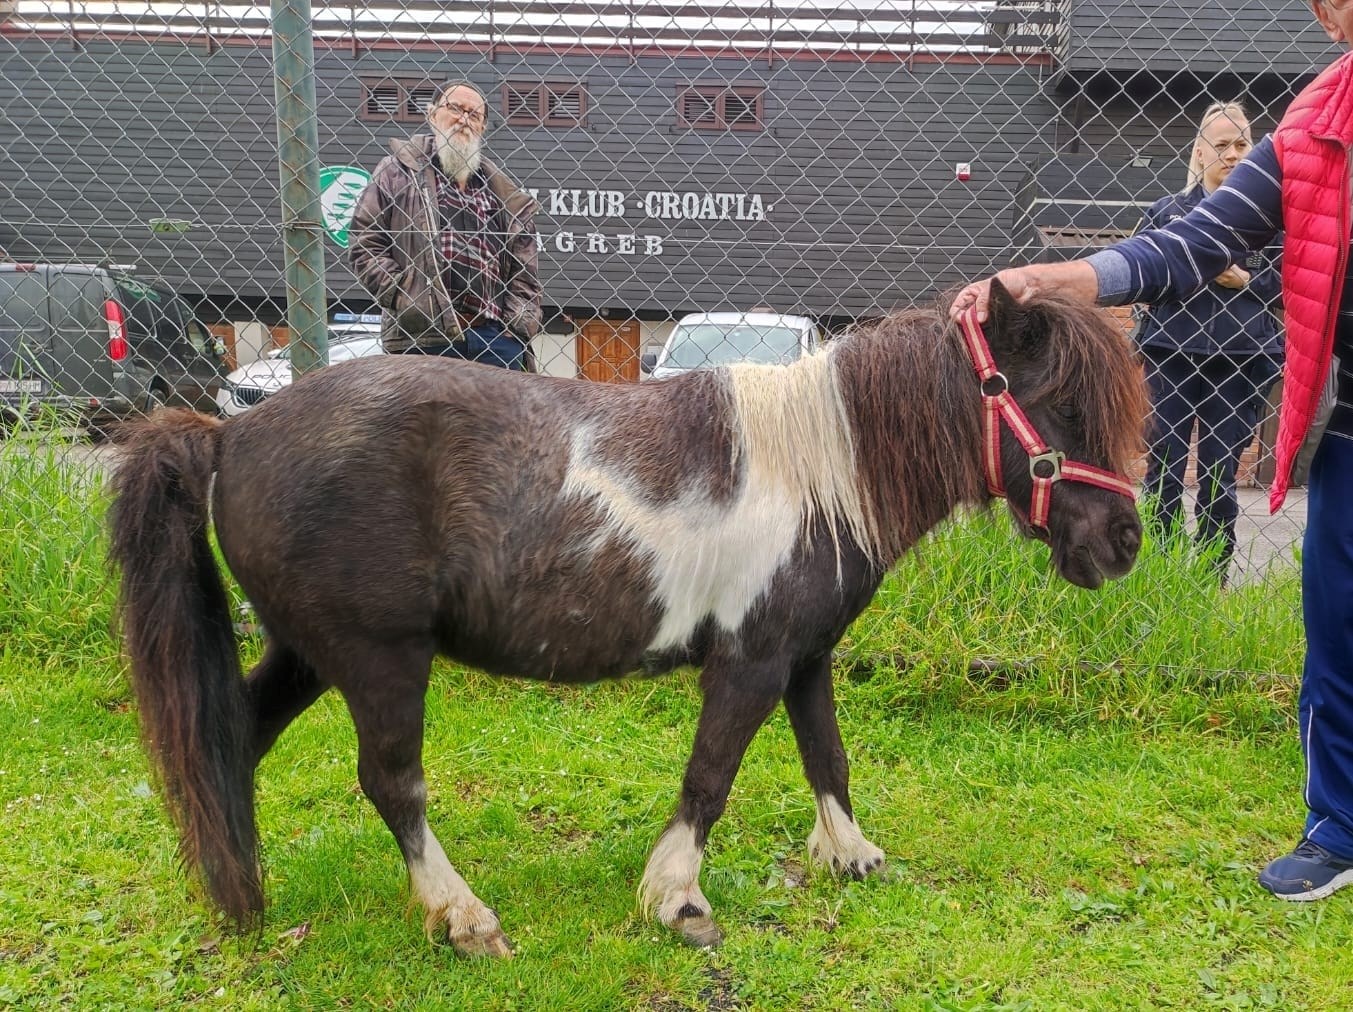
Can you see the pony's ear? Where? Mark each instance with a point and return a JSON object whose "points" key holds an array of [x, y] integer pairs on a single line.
{"points": [[1003, 314], [1000, 303]]}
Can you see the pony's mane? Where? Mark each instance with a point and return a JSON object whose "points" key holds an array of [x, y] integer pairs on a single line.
{"points": [[1092, 366], [879, 433], [793, 432], [911, 400]]}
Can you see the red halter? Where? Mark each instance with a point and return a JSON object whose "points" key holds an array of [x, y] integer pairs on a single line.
{"points": [[1046, 465]]}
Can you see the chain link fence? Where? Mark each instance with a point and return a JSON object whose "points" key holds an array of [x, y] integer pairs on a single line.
{"points": [[713, 181]]}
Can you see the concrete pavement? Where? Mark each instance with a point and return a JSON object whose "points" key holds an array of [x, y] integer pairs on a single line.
{"points": [[1265, 540]]}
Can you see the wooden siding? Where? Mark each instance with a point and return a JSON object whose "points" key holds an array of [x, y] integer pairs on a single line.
{"points": [[1240, 37]]}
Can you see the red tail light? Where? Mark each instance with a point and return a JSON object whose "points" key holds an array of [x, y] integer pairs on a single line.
{"points": [[117, 331]]}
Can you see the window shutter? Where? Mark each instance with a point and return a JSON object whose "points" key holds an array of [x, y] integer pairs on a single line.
{"points": [[565, 105], [739, 110], [418, 100], [697, 108], [383, 100], [523, 103]]}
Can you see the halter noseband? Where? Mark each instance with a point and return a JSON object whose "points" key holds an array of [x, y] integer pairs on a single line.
{"points": [[1046, 465]]}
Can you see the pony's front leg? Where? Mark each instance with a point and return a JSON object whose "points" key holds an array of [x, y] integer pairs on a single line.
{"points": [[387, 708], [736, 704], [836, 840]]}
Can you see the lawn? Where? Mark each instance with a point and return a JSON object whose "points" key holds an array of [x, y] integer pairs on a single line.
{"points": [[1074, 790]]}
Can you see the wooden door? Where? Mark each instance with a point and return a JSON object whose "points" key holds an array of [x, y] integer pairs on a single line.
{"points": [[608, 351]]}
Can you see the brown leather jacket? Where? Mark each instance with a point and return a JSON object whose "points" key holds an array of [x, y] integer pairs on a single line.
{"points": [[393, 251]]}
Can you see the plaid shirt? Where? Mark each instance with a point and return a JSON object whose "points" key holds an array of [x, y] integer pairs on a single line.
{"points": [[471, 249]]}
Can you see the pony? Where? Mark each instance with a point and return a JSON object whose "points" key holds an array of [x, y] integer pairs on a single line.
{"points": [[381, 512]]}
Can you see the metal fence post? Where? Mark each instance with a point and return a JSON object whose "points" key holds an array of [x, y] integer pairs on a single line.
{"points": [[298, 162]]}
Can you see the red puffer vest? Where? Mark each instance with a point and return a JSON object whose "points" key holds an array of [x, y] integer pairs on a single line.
{"points": [[1312, 145]]}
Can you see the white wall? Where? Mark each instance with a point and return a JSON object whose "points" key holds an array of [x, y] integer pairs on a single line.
{"points": [[250, 341], [555, 355], [652, 336]]}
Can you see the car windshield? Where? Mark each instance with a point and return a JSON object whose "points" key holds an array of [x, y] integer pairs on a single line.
{"points": [[703, 344]]}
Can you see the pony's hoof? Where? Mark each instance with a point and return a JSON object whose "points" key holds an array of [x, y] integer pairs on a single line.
{"points": [[700, 931], [863, 867], [494, 944], [856, 862]]}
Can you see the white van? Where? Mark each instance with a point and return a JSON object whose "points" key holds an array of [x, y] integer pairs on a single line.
{"points": [[706, 339]]}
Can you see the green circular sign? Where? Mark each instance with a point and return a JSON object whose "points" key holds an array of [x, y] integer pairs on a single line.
{"points": [[339, 188]]}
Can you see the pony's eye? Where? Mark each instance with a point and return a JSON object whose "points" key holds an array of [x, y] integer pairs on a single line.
{"points": [[1068, 412]]}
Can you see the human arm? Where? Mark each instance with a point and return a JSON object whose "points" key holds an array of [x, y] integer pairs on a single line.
{"points": [[1172, 262], [1075, 280], [372, 253], [521, 275]]}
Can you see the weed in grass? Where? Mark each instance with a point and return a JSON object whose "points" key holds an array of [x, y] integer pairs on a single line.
{"points": [[975, 617], [54, 594]]}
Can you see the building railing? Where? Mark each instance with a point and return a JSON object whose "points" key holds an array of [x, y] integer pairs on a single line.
{"points": [[1022, 27]]}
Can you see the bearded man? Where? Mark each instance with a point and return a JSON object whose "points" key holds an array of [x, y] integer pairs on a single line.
{"points": [[446, 243]]}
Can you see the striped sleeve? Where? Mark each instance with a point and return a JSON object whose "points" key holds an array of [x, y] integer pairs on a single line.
{"points": [[1178, 259]]}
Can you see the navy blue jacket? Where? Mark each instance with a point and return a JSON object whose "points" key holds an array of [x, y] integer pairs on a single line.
{"points": [[1216, 320]]}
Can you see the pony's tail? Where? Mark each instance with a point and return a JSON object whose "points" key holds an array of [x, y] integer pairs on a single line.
{"points": [[184, 662]]}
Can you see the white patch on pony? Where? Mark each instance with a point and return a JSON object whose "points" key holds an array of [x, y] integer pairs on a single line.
{"points": [[447, 898], [837, 842], [672, 877], [705, 559], [793, 449]]}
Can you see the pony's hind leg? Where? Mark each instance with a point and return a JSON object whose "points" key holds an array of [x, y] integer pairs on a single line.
{"points": [[836, 840], [279, 688], [736, 704], [384, 695]]}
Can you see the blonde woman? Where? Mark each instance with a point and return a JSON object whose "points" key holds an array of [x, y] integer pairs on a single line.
{"points": [[1210, 357]]}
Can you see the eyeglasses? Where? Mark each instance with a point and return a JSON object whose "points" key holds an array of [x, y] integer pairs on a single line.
{"points": [[473, 115]]}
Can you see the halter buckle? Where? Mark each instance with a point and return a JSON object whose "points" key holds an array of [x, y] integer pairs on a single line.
{"points": [[1053, 461]]}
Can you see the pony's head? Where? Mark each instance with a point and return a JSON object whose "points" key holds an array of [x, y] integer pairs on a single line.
{"points": [[1072, 371]]}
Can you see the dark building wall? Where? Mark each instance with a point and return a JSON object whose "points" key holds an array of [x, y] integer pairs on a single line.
{"points": [[1242, 37], [855, 168]]}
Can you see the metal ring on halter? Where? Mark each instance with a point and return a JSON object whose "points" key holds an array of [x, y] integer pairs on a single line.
{"points": [[996, 376], [1053, 458]]}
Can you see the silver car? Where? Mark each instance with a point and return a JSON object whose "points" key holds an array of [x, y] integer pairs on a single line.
{"points": [[706, 339], [254, 383]]}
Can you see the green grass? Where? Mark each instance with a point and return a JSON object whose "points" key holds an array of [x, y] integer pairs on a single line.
{"points": [[1074, 790]]}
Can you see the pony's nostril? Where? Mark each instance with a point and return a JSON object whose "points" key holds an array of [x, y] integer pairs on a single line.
{"points": [[1130, 537]]}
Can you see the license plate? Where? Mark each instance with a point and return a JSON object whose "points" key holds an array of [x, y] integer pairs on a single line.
{"points": [[13, 386]]}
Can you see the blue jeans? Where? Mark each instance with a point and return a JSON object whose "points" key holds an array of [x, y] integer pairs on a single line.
{"points": [[489, 343], [1325, 706], [1220, 392]]}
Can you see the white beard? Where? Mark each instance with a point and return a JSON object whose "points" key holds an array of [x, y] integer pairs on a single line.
{"points": [[459, 158]]}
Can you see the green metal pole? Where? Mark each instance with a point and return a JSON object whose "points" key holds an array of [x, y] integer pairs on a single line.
{"points": [[293, 54]]}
